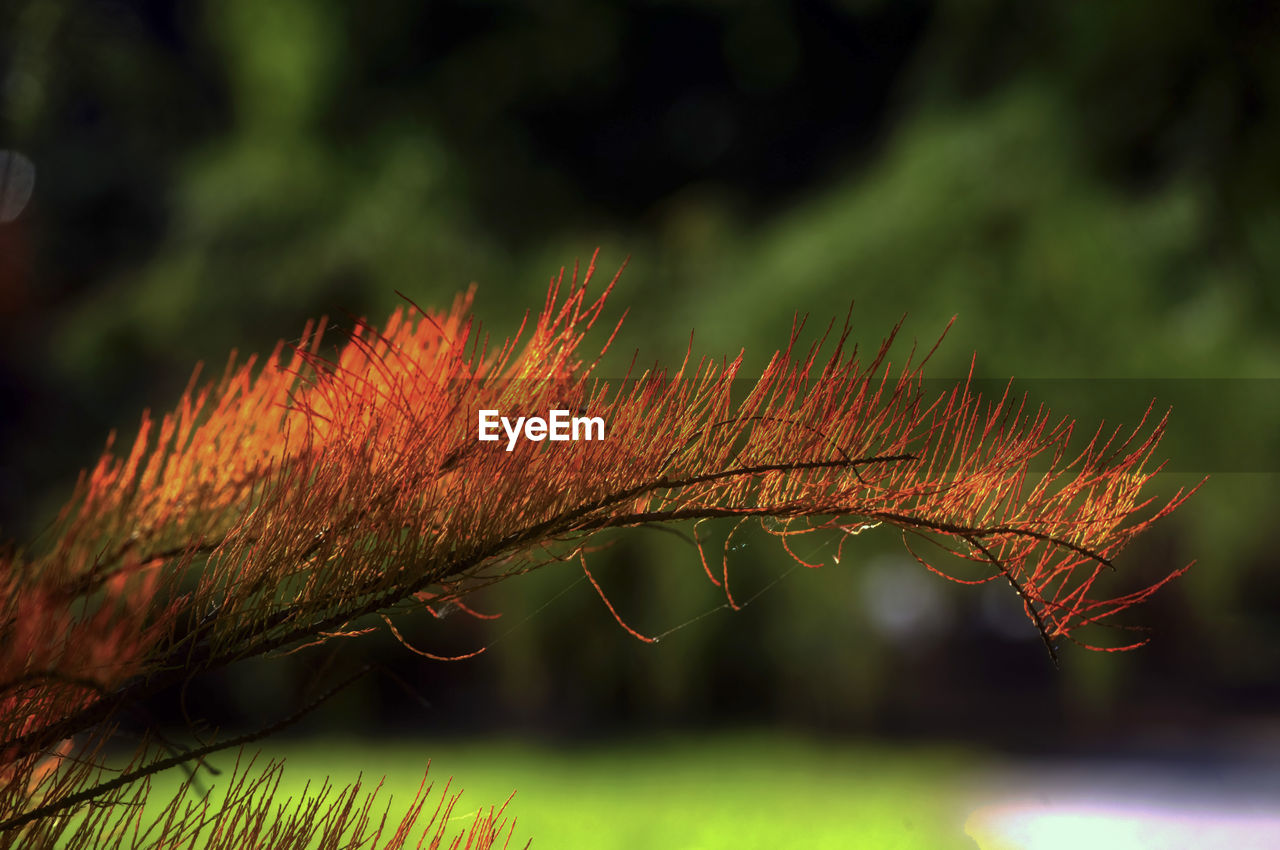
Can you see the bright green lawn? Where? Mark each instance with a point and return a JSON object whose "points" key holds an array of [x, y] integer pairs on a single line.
{"points": [[739, 792]]}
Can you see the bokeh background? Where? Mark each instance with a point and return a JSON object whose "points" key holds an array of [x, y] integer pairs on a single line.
{"points": [[1091, 188]]}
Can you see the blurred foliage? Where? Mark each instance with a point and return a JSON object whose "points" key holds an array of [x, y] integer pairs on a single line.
{"points": [[743, 791], [1090, 187]]}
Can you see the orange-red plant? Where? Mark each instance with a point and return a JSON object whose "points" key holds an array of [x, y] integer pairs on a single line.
{"points": [[308, 498]]}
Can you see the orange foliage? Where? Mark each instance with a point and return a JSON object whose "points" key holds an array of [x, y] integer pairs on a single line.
{"points": [[281, 504]]}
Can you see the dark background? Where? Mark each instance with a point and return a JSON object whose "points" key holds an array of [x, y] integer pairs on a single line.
{"points": [[1091, 187]]}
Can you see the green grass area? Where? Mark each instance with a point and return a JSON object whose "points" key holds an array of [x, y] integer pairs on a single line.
{"points": [[702, 794]]}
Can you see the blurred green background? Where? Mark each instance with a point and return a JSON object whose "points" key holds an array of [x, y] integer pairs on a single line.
{"points": [[1092, 188]]}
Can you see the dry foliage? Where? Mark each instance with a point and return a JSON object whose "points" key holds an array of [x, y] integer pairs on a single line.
{"points": [[305, 498]]}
